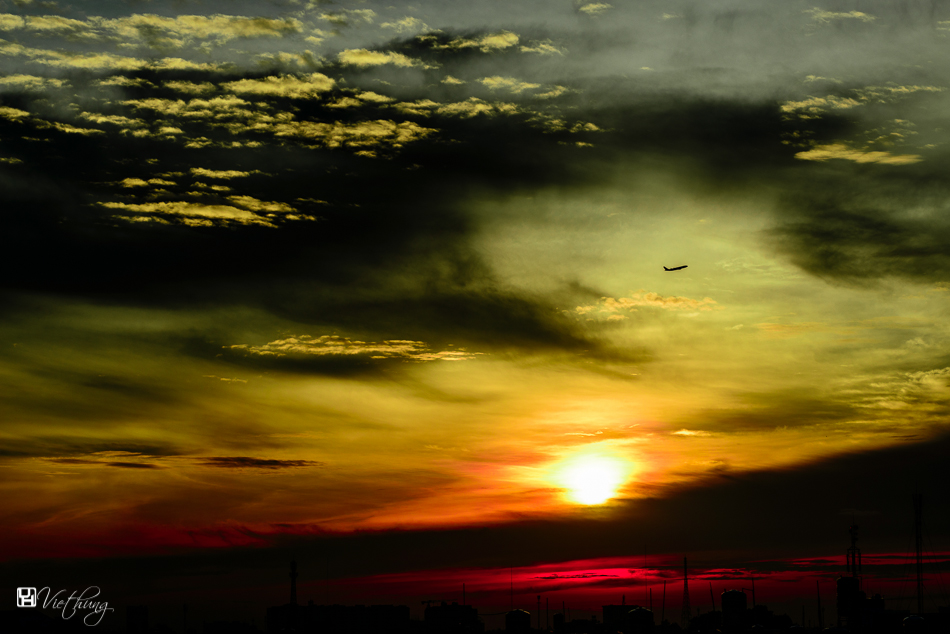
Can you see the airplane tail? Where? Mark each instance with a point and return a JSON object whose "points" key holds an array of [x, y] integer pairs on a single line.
{"points": [[665, 269]]}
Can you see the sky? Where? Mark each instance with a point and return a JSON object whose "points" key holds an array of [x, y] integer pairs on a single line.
{"points": [[381, 288]]}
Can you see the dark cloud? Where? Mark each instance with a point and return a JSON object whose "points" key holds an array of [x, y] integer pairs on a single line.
{"points": [[777, 408], [870, 226], [244, 462], [62, 447]]}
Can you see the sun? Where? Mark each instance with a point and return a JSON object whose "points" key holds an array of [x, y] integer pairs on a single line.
{"points": [[593, 479]]}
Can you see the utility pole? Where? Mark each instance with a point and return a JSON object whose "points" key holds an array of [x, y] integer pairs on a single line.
{"points": [[919, 536], [687, 613]]}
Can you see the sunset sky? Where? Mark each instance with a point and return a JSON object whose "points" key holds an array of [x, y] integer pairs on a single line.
{"points": [[381, 288]]}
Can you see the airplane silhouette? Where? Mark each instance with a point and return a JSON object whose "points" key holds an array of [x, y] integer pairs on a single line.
{"points": [[675, 268]]}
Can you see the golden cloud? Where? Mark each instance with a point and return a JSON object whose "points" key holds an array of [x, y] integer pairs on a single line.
{"points": [[406, 25], [507, 83], [226, 174], [30, 82], [333, 345], [595, 8], [646, 299], [842, 151], [284, 85], [364, 133], [486, 43], [197, 211], [363, 57], [824, 17]]}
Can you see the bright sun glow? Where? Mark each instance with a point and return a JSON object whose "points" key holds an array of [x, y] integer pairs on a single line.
{"points": [[593, 479]]}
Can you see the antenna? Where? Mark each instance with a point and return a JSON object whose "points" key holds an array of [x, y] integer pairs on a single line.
{"points": [[853, 557], [821, 624], [686, 612], [919, 537], [463, 594], [753, 592], [712, 597], [293, 583], [511, 578], [663, 609]]}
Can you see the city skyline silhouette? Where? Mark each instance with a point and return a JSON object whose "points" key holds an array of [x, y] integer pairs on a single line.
{"points": [[383, 289]]}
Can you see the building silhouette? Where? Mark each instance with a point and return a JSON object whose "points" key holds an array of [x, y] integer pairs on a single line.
{"points": [[452, 618], [519, 621]]}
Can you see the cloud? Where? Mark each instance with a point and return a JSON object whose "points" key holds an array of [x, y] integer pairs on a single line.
{"points": [[842, 151], [121, 80], [507, 83], [244, 462], [475, 106], [194, 214], [406, 25], [820, 104], [859, 97], [65, 127], [374, 97], [284, 86], [13, 114], [363, 58], [824, 17], [344, 17], [334, 345], [557, 91], [217, 27], [194, 108], [595, 8], [114, 119], [93, 61], [383, 133], [423, 107], [225, 174], [120, 465], [859, 233], [30, 82], [646, 299], [544, 47], [255, 205], [191, 87], [486, 43], [154, 29]]}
